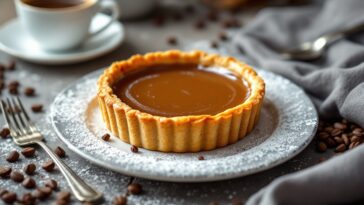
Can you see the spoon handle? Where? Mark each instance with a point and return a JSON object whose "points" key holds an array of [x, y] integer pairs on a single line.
{"points": [[331, 37]]}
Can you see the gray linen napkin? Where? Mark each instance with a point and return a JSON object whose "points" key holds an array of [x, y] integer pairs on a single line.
{"points": [[334, 82]]}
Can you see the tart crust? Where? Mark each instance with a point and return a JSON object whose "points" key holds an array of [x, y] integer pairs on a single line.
{"points": [[182, 133]]}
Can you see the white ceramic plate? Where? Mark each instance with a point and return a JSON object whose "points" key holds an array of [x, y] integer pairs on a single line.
{"points": [[287, 125], [15, 41]]}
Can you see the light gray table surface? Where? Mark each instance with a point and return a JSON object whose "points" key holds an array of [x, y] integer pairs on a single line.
{"points": [[141, 37]]}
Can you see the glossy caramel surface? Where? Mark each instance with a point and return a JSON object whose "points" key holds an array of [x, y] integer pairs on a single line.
{"points": [[181, 90]]}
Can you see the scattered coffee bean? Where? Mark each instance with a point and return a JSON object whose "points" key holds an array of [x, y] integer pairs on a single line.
{"points": [[338, 140], [321, 147], [46, 190], [28, 151], [60, 152], [135, 188], [9, 197], [323, 135], [190, 9], [231, 23], [13, 156], [29, 183], [345, 139], [106, 137], [200, 24], [14, 83], [212, 15], [214, 44], [39, 194], [358, 131], [11, 66], [340, 148], [159, 20], [172, 41], [16, 176], [354, 139], [201, 158], [134, 149], [223, 36], [37, 108], [61, 202], [13, 90], [5, 171], [29, 91], [30, 169], [5, 132], [52, 184], [120, 200], [330, 142], [3, 191], [28, 199], [64, 195], [48, 165]]}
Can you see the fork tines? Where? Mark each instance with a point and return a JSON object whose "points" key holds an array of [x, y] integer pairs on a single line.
{"points": [[15, 116]]}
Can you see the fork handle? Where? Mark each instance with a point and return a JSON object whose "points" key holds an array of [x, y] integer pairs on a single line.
{"points": [[80, 188]]}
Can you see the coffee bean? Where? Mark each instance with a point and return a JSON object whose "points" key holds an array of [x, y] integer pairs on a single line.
{"points": [[46, 190], [29, 183], [214, 44], [88, 203], [48, 165], [328, 129], [223, 36], [9, 197], [16, 176], [30, 169], [135, 188], [11, 65], [338, 140], [358, 131], [321, 147], [106, 137], [120, 200], [39, 194], [159, 20], [37, 108], [5, 171], [190, 9], [28, 199], [340, 148], [29, 91], [2, 67], [28, 151], [345, 139], [60, 152], [3, 191], [64, 195], [201, 158], [14, 83], [340, 125], [323, 135], [330, 142], [355, 139], [200, 24], [134, 149], [5, 132], [52, 184], [351, 146], [212, 15], [236, 201], [61, 202], [13, 156], [172, 40], [336, 132], [355, 144]]}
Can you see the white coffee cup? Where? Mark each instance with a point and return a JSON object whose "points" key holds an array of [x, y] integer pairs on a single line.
{"points": [[58, 29]]}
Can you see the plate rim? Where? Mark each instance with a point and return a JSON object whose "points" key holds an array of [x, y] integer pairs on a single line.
{"points": [[63, 60], [180, 179]]}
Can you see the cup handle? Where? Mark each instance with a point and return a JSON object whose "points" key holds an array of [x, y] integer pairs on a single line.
{"points": [[107, 5]]}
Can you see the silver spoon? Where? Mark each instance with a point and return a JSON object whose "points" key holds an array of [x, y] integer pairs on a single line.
{"points": [[312, 50]]}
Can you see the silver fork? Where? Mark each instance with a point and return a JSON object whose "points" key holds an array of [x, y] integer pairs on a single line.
{"points": [[24, 132]]}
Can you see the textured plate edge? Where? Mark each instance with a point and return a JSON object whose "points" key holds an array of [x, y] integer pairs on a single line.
{"points": [[181, 179]]}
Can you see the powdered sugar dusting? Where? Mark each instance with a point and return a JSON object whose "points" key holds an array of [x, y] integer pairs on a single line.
{"points": [[287, 124]]}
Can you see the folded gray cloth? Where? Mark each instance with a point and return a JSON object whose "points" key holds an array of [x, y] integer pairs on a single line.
{"points": [[335, 83]]}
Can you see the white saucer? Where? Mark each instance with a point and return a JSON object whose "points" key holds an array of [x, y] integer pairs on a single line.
{"points": [[15, 41], [287, 125]]}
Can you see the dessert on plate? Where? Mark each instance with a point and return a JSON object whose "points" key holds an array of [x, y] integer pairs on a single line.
{"points": [[176, 101]]}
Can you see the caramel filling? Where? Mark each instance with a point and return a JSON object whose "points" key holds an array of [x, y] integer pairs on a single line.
{"points": [[181, 90]]}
